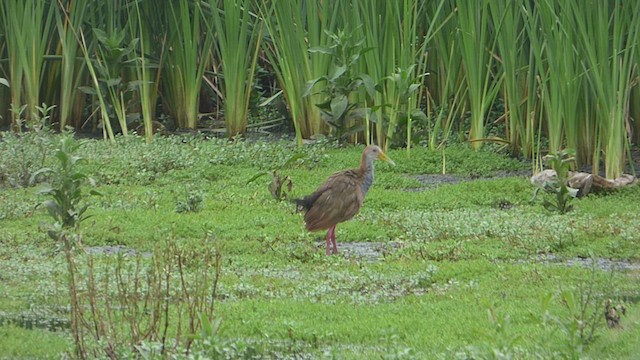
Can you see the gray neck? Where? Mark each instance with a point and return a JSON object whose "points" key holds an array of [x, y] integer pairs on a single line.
{"points": [[368, 178]]}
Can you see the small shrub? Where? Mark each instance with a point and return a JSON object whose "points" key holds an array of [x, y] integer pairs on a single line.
{"points": [[280, 185], [561, 194], [192, 203], [23, 154]]}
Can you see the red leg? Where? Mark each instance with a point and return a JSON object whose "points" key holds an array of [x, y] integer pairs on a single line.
{"points": [[329, 242], [333, 239]]}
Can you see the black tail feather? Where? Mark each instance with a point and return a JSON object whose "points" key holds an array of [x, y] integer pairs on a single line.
{"points": [[306, 202]]}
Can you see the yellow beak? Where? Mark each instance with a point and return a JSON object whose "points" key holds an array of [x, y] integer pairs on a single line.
{"points": [[384, 157]]}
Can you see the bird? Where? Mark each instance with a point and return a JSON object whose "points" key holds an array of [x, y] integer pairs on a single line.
{"points": [[340, 197]]}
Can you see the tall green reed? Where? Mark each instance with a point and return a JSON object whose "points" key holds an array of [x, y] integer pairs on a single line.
{"points": [[445, 89], [145, 24], [294, 27], [477, 45], [396, 32], [69, 15], [379, 31], [107, 130], [557, 63], [187, 57], [608, 41], [508, 22], [5, 97], [27, 29], [238, 36]]}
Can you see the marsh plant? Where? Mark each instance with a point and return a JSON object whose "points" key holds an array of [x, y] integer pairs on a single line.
{"points": [[191, 203], [23, 154], [339, 109], [67, 206], [280, 185], [164, 299], [582, 317], [561, 194]]}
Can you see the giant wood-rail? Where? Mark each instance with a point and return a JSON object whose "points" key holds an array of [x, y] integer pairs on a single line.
{"points": [[340, 197]]}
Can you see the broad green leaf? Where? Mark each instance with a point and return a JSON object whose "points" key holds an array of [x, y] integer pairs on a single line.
{"points": [[256, 176], [418, 115], [339, 106], [310, 84], [101, 35], [113, 82], [336, 72], [293, 159], [369, 84]]}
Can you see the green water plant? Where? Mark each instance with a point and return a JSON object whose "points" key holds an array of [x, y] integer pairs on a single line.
{"points": [[280, 185], [339, 108], [561, 193], [293, 27], [238, 37], [188, 47], [67, 206], [27, 26]]}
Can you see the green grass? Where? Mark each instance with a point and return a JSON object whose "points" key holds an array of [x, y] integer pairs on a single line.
{"points": [[453, 253]]}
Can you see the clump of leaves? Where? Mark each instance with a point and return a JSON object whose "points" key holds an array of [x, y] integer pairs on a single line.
{"points": [[67, 205], [280, 185], [407, 85], [338, 108], [192, 203], [578, 325], [111, 54], [22, 154], [562, 194]]}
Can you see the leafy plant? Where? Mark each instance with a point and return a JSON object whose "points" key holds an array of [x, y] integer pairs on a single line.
{"points": [[294, 27], [193, 203], [406, 85], [583, 315], [238, 36], [66, 205], [23, 155], [278, 180], [110, 61], [339, 108], [27, 28], [562, 195]]}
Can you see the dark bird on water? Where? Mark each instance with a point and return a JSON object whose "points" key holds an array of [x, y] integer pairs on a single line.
{"points": [[340, 197]]}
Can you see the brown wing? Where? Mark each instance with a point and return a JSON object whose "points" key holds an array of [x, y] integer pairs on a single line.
{"points": [[337, 200]]}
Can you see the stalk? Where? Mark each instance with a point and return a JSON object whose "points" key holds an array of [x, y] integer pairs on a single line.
{"points": [[69, 15], [446, 91], [293, 27], [238, 41], [189, 44], [608, 45], [509, 27], [146, 28], [477, 45], [27, 28]]}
